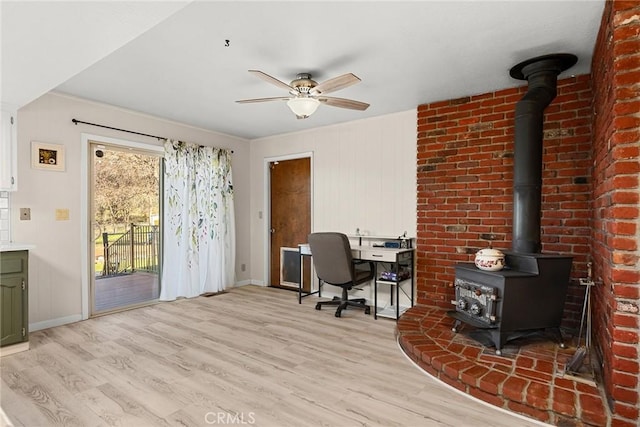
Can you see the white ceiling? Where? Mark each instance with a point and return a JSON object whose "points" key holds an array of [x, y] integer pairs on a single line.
{"points": [[406, 53], [44, 43]]}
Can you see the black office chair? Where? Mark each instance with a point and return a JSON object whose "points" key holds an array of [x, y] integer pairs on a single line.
{"points": [[332, 259]]}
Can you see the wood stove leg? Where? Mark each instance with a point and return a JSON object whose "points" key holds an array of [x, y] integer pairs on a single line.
{"points": [[557, 334], [498, 339], [455, 326]]}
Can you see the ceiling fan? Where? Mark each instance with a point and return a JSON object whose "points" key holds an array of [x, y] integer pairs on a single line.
{"points": [[306, 94]]}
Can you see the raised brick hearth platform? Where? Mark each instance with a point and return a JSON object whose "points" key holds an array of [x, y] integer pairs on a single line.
{"points": [[527, 378]]}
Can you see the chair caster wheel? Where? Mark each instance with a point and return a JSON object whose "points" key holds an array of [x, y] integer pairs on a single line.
{"points": [[318, 306], [498, 352], [454, 330], [563, 345], [367, 310], [338, 314]]}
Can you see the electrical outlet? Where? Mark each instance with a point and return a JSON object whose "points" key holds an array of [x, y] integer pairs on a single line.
{"points": [[243, 267], [25, 214]]}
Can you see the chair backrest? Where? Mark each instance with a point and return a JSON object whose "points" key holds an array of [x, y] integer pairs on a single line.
{"points": [[331, 254]]}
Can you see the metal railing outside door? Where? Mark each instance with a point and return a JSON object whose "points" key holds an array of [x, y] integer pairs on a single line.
{"points": [[135, 250]]}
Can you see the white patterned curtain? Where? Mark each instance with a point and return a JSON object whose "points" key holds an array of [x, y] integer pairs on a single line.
{"points": [[199, 226]]}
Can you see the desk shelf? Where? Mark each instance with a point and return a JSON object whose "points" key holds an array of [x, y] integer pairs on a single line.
{"points": [[401, 263], [393, 282], [390, 311]]}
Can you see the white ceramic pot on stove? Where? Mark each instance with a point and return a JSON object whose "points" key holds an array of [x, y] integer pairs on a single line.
{"points": [[489, 259]]}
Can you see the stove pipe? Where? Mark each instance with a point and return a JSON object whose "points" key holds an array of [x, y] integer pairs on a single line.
{"points": [[542, 74]]}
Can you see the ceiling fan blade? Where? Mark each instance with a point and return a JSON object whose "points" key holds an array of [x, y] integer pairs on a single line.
{"points": [[277, 98], [343, 103], [335, 83], [267, 78]]}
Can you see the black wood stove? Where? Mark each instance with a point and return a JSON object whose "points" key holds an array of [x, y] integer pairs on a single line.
{"points": [[529, 293]]}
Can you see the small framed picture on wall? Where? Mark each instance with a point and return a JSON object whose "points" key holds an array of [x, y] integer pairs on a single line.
{"points": [[47, 156]]}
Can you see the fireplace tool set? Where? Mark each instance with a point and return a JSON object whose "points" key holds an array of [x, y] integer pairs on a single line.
{"points": [[574, 366]]}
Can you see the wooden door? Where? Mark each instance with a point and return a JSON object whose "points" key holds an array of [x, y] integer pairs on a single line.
{"points": [[290, 211]]}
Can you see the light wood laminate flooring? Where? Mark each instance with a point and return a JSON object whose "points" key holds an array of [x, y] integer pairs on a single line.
{"points": [[251, 356]]}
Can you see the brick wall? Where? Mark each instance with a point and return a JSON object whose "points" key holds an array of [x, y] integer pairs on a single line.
{"points": [[615, 234], [591, 193], [465, 174]]}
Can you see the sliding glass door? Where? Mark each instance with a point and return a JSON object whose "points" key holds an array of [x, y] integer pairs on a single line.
{"points": [[125, 189]]}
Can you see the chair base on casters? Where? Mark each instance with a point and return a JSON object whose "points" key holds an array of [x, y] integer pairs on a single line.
{"points": [[345, 302]]}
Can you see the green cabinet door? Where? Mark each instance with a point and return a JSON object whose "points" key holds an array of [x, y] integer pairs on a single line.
{"points": [[13, 297], [11, 314]]}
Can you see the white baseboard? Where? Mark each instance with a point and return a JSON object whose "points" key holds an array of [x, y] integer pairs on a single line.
{"points": [[242, 283], [13, 349], [250, 282], [4, 420], [54, 322]]}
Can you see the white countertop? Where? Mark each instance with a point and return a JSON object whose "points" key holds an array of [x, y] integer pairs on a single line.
{"points": [[8, 247]]}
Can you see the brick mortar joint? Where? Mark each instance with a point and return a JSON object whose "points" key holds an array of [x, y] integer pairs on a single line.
{"points": [[631, 21], [627, 306]]}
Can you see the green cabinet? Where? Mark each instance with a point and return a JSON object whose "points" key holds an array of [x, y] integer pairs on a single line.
{"points": [[14, 322]]}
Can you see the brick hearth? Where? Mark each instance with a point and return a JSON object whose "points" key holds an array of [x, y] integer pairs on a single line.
{"points": [[527, 378]]}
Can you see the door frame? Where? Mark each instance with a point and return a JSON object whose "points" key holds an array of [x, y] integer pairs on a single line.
{"points": [[85, 205], [267, 205]]}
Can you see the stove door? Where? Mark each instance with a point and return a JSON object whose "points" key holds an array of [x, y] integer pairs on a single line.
{"points": [[476, 300]]}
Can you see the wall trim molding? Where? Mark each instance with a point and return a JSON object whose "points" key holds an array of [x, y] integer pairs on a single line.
{"points": [[46, 324], [7, 351]]}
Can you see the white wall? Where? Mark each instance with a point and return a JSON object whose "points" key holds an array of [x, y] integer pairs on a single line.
{"points": [[55, 265], [364, 176]]}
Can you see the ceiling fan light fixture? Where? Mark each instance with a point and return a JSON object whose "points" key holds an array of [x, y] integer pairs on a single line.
{"points": [[303, 106]]}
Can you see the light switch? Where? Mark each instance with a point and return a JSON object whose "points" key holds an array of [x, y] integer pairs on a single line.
{"points": [[25, 214], [62, 214]]}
